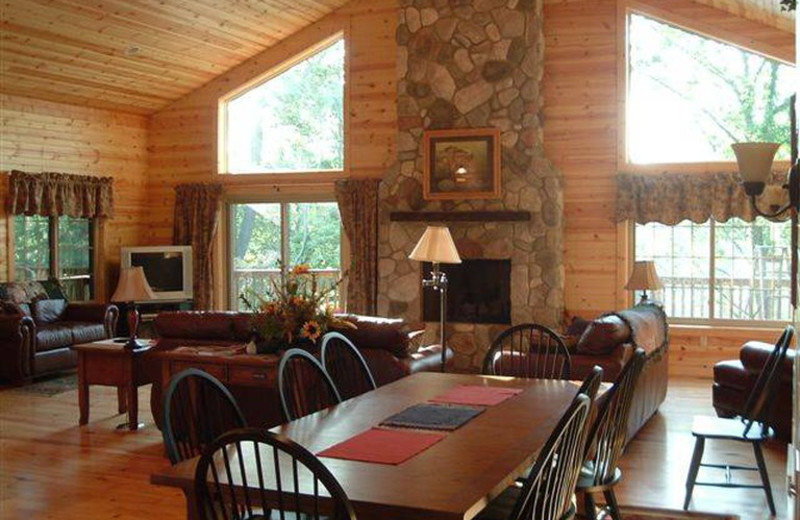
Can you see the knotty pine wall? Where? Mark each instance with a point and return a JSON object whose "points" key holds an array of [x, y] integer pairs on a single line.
{"points": [[583, 99], [182, 141], [44, 136]]}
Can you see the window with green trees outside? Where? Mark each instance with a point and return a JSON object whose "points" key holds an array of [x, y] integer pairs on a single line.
{"points": [[292, 122], [265, 235], [689, 98], [56, 247]]}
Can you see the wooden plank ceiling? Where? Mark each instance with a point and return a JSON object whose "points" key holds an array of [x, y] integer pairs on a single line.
{"points": [[140, 55], [137, 55], [767, 12]]}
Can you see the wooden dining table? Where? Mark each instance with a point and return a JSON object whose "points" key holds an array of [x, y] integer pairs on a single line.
{"points": [[453, 479]]}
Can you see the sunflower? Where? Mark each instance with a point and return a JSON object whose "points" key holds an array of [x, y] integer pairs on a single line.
{"points": [[301, 269], [311, 330]]}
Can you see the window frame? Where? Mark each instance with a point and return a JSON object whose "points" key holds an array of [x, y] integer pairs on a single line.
{"points": [[626, 234], [651, 9], [711, 320], [284, 200], [53, 242], [272, 72]]}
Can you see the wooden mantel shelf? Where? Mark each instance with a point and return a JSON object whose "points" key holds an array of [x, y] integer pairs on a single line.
{"points": [[460, 216]]}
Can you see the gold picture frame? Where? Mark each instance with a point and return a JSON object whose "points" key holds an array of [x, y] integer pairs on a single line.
{"points": [[461, 164]]}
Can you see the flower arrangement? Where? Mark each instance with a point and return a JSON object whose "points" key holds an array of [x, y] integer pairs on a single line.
{"points": [[297, 308]]}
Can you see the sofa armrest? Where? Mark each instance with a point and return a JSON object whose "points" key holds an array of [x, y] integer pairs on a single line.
{"points": [[17, 347], [428, 359], [104, 313], [754, 355]]}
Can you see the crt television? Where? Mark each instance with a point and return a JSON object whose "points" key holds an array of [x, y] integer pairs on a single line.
{"points": [[168, 269]]}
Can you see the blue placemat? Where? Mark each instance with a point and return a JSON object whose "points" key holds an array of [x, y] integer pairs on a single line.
{"points": [[434, 416]]}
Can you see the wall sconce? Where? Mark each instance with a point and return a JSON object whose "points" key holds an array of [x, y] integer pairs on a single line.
{"points": [[755, 165]]}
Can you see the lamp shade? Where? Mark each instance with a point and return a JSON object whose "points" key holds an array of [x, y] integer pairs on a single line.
{"points": [[436, 245], [644, 277], [755, 160], [132, 286]]}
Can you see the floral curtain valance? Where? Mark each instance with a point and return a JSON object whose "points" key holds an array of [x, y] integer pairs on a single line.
{"points": [[669, 198], [53, 194]]}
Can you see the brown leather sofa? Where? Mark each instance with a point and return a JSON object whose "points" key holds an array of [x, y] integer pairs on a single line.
{"points": [[386, 344], [609, 341], [734, 379], [38, 325]]}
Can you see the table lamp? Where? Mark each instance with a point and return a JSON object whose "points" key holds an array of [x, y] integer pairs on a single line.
{"points": [[643, 278], [132, 287], [437, 246]]}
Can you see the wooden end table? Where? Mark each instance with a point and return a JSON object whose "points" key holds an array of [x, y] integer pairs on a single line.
{"points": [[108, 363]]}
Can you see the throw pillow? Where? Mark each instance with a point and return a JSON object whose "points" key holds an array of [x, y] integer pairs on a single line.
{"points": [[603, 335], [48, 311]]}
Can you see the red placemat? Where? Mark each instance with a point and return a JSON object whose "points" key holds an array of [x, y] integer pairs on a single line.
{"points": [[383, 446], [476, 395]]}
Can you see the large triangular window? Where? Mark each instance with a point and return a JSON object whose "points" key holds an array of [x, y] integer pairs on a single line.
{"points": [[291, 122]]}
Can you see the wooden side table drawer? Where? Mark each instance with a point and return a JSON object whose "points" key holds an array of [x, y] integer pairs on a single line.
{"points": [[252, 376], [214, 369]]}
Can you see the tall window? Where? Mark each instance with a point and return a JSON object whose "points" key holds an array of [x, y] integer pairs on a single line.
{"points": [[264, 235], [292, 122], [689, 98], [62, 248]]}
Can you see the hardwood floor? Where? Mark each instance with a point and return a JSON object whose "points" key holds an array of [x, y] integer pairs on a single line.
{"points": [[51, 468]]}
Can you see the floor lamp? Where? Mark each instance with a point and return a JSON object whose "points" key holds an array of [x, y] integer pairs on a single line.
{"points": [[437, 246]]}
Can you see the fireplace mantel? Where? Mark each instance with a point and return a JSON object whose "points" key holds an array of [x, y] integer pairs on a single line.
{"points": [[460, 216]]}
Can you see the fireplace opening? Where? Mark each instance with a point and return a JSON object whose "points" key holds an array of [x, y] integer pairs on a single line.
{"points": [[478, 291]]}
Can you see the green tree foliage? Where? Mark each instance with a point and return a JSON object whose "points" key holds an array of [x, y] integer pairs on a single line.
{"points": [[313, 232], [732, 95], [294, 121]]}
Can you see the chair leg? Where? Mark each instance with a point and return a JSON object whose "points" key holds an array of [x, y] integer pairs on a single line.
{"points": [[588, 504], [762, 469], [697, 456], [611, 502]]}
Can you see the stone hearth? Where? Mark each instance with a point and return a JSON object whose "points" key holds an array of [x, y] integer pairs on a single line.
{"points": [[474, 64]]}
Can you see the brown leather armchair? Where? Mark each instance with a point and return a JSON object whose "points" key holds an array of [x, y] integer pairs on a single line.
{"points": [[38, 325], [734, 379]]}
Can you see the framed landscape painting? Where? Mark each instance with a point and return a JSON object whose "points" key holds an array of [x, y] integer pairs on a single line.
{"points": [[461, 164]]}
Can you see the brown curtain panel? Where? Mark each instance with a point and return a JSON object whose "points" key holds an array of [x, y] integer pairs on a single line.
{"points": [[51, 194], [358, 206], [669, 198], [198, 208]]}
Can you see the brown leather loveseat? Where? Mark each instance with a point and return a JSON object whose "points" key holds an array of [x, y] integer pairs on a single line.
{"points": [[386, 344], [38, 325], [609, 341], [734, 380]]}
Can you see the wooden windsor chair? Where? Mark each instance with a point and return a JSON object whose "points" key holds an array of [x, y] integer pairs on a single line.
{"points": [[752, 428], [303, 385], [600, 471], [197, 409], [528, 350], [346, 366], [252, 473]]}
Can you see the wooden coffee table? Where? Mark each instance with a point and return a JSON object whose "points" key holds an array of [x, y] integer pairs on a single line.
{"points": [[108, 363]]}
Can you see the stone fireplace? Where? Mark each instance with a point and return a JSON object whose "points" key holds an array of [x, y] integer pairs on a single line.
{"points": [[474, 64]]}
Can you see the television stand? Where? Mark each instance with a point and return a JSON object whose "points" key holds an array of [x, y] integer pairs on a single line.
{"points": [[148, 311]]}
